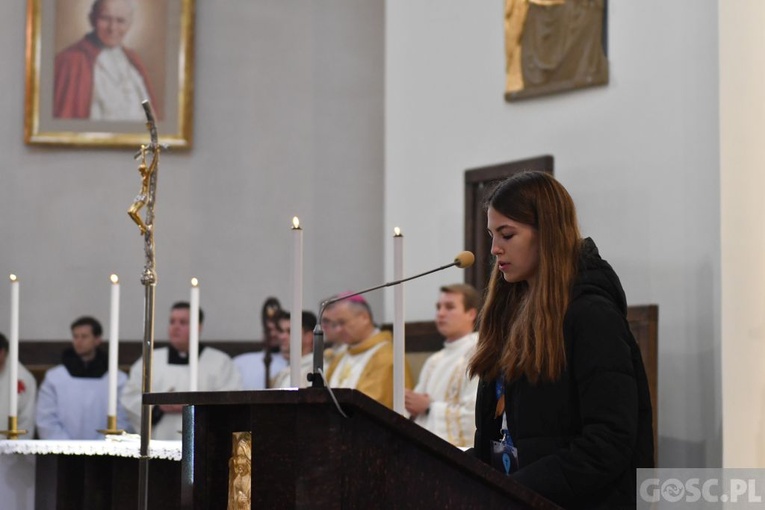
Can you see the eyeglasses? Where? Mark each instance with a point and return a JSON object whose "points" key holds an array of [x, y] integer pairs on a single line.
{"points": [[330, 324]]}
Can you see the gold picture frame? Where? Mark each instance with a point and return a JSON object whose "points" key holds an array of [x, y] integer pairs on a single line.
{"points": [[65, 56]]}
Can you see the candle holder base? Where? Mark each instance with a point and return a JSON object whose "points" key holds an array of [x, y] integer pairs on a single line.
{"points": [[13, 431], [13, 434], [111, 427], [111, 432]]}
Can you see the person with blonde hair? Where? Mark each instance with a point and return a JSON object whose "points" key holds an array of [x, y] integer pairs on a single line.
{"points": [[563, 404]]}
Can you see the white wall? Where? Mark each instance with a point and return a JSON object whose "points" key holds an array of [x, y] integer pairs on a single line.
{"points": [[742, 113], [640, 157], [288, 121]]}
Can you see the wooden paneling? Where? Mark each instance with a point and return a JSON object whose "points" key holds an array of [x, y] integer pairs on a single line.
{"points": [[644, 323]]}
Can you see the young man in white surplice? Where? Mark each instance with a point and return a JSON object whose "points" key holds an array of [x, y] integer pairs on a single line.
{"points": [[444, 399], [74, 396], [170, 372]]}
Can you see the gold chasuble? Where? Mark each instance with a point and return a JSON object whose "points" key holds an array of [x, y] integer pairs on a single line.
{"points": [[368, 367]]}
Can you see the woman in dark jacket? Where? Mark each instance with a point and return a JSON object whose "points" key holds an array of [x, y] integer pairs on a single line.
{"points": [[563, 403]]}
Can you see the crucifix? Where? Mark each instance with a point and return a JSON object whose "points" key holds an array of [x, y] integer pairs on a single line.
{"points": [[147, 197]]}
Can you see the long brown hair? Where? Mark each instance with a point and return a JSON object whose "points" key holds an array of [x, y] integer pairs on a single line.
{"points": [[522, 325]]}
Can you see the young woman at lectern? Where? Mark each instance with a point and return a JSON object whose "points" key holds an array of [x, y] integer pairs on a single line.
{"points": [[563, 404]]}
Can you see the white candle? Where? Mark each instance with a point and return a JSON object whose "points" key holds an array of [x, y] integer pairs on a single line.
{"points": [[194, 336], [114, 338], [296, 317], [398, 322], [13, 350]]}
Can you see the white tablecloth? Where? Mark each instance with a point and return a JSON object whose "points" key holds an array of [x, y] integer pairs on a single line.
{"points": [[17, 482], [117, 446], [17, 461]]}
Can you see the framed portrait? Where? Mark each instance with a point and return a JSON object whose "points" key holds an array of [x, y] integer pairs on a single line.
{"points": [[554, 46], [91, 63]]}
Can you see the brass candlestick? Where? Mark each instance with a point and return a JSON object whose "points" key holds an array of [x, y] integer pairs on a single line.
{"points": [[13, 431]]}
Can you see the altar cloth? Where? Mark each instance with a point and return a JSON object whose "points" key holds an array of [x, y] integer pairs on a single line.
{"points": [[118, 446]]}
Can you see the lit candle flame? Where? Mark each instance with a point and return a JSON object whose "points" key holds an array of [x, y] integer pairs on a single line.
{"points": [[295, 223], [14, 277], [397, 232], [114, 278], [194, 282]]}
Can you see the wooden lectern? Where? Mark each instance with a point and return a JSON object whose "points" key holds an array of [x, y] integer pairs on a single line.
{"points": [[305, 454]]}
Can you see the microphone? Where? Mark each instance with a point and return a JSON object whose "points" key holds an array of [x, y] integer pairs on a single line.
{"points": [[462, 260]]}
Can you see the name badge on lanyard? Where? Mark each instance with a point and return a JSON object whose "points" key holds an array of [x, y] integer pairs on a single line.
{"points": [[504, 454]]}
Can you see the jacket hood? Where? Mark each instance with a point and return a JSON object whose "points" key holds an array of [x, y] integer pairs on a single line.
{"points": [[595, 276]]}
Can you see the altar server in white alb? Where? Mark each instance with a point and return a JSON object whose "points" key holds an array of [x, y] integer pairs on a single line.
{"points": [[27, 393], [170, 372], [74, 396], [444, 399], [282, 379]]}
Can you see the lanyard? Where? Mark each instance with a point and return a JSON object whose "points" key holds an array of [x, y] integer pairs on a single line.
{"points": [[504, 455], [499, 390]]}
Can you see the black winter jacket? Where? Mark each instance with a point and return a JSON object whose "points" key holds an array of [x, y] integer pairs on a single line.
{"points": [[581, 437]]}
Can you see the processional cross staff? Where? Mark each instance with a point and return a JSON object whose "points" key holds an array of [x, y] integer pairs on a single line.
{"points": [[147, 197]]}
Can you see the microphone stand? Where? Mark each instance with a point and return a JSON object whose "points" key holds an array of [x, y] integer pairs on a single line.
{"points": [[317, 376]]}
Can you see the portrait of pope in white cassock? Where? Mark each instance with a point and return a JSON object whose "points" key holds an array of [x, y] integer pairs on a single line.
{"points": [[98, 77]]}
